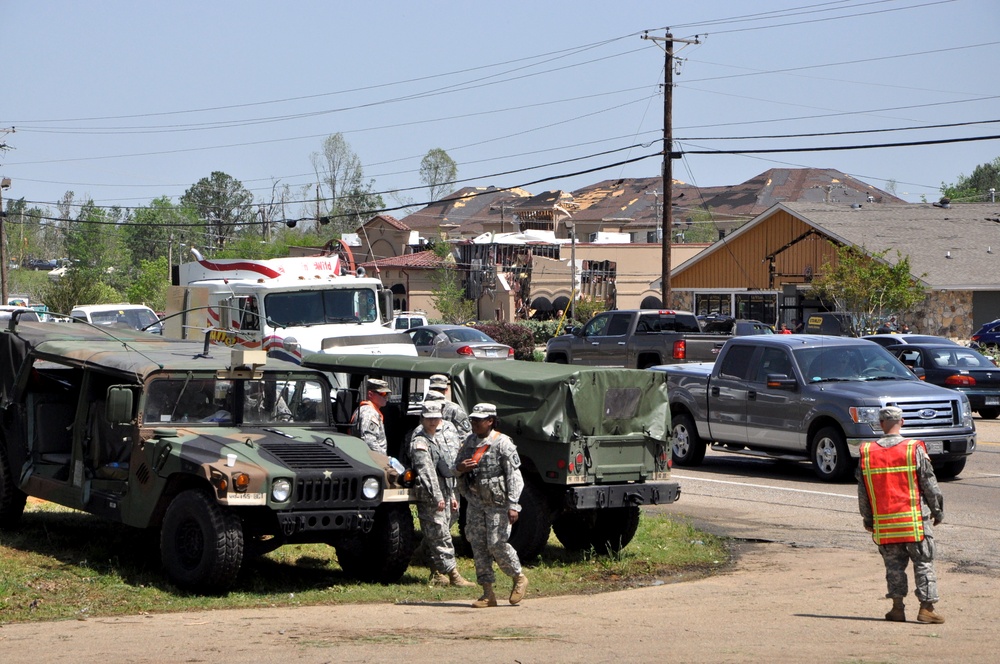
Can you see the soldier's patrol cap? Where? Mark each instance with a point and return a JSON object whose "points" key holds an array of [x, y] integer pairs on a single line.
{"points": [[890, 414], [433, 396], [483, 410], [431, 409], [378, 385], [439, 381]]}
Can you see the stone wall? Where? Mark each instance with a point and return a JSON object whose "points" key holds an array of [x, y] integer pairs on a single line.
{"points": [[945, 314]]}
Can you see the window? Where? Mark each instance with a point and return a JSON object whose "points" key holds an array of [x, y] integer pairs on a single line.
{"points": [[773, 361], [619, 325], [596, 327], [736, 364]]}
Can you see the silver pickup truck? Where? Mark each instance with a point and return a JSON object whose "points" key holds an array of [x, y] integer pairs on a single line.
{"points": [[636, 339], [810, 397]]}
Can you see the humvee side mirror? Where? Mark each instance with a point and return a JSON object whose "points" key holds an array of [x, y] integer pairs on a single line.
{"points": [[119, 405]]}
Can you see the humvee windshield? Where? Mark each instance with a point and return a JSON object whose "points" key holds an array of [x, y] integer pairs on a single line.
{"points": [[208, 401]]}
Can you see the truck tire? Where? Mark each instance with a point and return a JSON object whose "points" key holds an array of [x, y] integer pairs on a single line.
{"points": [[531, 531], [687, 447], [949, 470], [575, 530], [830, 457], [556, 359], [989, 413], [615, 528], [12, 499], [201, 543], [383, 554]]}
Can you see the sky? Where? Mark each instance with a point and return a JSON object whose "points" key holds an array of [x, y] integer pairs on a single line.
{"points": [[123, 102]]}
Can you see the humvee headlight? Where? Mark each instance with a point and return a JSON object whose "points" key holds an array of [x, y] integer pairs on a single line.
{"points": [[370, 488], [280, 490]]}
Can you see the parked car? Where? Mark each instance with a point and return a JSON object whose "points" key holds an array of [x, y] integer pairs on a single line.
{"points": [[458, 341], [886, 340], [737, 327], [405, 320], [29, 314], [960, 368], [988, 336], [134, 316]]}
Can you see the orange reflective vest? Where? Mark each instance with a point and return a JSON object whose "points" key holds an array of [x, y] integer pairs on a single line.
{"points": [[890, 476]]}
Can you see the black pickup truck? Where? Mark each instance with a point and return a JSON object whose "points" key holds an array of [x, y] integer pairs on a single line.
{"points": [[636, 339]]}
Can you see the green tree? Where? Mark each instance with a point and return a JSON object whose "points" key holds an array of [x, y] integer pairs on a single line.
{"points": [[976, 187], [158, 229], [869, 286], [95, 253], [703, 227], [343, 194], [223, 203], [448, 295], [149, 286], [437, 171]]}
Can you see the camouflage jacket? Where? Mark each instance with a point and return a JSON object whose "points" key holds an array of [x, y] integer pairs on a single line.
{"points": [[497, 480]]}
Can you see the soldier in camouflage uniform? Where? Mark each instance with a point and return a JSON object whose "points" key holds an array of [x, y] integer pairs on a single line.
{"points": [[490, 481], [450, 411], [436, 497], [899, 500], [368, 417]]}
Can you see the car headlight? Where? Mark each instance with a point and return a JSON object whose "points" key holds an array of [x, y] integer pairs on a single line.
{"points": [[281, 489], [370, 488], [866, 415], [966, 411]]}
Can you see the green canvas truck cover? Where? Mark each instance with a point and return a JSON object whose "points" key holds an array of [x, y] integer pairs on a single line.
{"points": [[540, 401]]}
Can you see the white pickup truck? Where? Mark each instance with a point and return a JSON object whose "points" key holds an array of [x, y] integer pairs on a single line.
{"points": [[809, 397]]}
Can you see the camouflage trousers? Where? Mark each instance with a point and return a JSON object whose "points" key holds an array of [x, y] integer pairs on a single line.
{"points": [[436, 529], [487, 528], [897, 556]]}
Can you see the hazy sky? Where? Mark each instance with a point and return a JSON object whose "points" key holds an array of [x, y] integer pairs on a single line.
{"points": [[123, 101]]}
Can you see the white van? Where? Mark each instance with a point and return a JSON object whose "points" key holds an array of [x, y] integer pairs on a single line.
{"points": [[135, 316]]}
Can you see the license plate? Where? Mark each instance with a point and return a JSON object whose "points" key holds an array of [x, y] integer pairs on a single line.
{"points": [[993, 401], [935, 447], [491, 353]]}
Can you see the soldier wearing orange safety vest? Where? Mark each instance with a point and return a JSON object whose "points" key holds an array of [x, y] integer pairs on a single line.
{"points": [[899, 500]]}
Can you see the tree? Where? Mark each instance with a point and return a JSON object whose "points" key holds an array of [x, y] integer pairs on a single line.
{"points": [[223, 203], [868, 285], [338, 170], [159, 229], [149, 286], [448, 295], [437, 171], [975, 187]]}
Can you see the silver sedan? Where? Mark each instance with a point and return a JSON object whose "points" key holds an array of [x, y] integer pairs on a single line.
{"points": [[458, 341]]}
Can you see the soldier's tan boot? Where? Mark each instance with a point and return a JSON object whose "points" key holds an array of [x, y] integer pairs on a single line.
{"points": [[455, 578], [439, 579], [927, 615], [488, 598], [896, 614], [520, 587]]}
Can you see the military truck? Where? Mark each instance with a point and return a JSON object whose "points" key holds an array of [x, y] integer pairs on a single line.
{"points": [[592, 441], [225, 454]]}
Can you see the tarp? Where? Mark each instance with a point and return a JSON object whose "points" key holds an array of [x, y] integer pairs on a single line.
{"points": [[536, 400]]}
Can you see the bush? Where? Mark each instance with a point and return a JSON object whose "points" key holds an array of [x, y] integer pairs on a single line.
{"points": [[518, 337], [543, 330]]}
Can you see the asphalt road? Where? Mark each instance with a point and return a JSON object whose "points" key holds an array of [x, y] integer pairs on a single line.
{"points": [[762, 500]]}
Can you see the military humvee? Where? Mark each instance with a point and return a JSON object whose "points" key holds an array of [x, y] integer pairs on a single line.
{"points": [[593, 441], [225, 456]]}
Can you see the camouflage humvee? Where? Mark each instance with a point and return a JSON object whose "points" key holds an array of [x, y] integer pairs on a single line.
{"points": [[226, 459], [593, 441]]}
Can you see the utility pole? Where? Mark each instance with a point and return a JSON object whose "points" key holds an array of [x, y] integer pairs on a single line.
{"points": [[503, 207], [668, 155]]}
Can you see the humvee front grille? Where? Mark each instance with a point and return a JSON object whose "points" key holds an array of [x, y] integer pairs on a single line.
{"points": [[323, 491], [305, 456]]}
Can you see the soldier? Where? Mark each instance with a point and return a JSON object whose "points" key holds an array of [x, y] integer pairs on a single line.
{"points": [[895, 476], [436, 497], [368, 416], [451, 411], [491, 482]]}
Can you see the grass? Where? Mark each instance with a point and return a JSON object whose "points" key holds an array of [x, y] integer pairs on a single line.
{"points": [[62, 564]]}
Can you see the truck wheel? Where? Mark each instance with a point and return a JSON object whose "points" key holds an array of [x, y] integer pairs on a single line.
{"points": [[12, 499], [575, 530], [531, 531], [383, 554], [688, 448], [989, 413], [556, 359], [830, 457], [201, 543], [949, 470], [615, 528]]}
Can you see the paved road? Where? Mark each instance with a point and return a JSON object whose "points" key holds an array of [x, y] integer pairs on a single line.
{"points": [[757, 499]]}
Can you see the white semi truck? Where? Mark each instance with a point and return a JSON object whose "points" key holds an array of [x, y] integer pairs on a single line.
{"points": [[289, 307]]}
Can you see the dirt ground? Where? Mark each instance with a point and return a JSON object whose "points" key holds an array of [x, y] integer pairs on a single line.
{"points": [[779, 604]]}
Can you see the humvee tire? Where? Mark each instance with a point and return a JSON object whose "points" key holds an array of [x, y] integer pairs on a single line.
{"points": [[12, 499], [201, 543], [607, 530], [530, 532], [383, 554], [574, 530]]}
